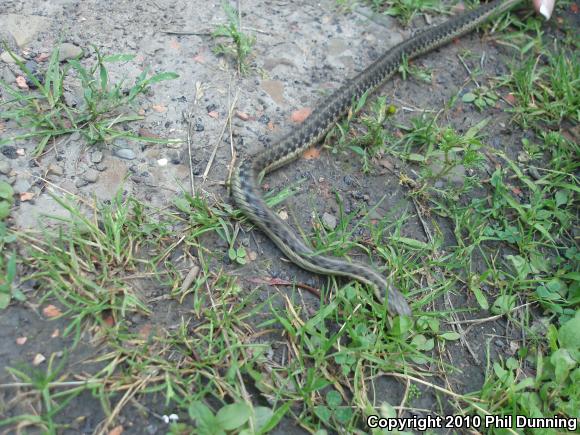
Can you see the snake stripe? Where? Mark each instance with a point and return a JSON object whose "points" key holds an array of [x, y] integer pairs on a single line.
{"points": [[245, 185]]}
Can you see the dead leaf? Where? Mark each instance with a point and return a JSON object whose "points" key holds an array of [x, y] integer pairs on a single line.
{"points": [[20, 152], [141, 112], [116, 431], [300, 115], [26, 196], [38, 359], [213, 114], [55, 333], [21, 341], [574, 8], [159, 108], [311, 153], [283, 214], [175, 45], [50, 311], [21, 82], [199, 58]]}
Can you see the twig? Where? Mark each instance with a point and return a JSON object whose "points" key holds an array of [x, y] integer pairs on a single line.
{"points": [[219, 138]]}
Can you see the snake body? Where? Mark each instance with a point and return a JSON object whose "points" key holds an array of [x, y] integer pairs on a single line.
{"points": [[249, 171]]}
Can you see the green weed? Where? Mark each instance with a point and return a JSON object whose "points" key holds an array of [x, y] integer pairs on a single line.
{"points": [[45, 114], [240, 44]]}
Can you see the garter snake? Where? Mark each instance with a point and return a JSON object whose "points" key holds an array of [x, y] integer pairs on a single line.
{"points": [[250, 171]]}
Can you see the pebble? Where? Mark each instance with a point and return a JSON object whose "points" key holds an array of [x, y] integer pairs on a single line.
{"points": [[532, 171], [6, 58], [91, 175], [242, 115], [5, 167], [96, 156], [80, 182], [329, 221], [174, 157], [69, 51], [125, 153], [21, 185], [199, 125], [10, 151], [55, 170]]}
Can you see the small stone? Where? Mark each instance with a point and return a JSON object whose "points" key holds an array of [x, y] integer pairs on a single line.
{"points": [[5, 167], [55, 170], [91, 175], [534, 173], [96, 156], [69, 51], [21, 185], [329, 221], [100, 167], [9, 151], [21, 83], [125, 153], [6, 58], [71, 99], [174, 157], [38, 359], [199, 125], [242, 115], [80, 182]]}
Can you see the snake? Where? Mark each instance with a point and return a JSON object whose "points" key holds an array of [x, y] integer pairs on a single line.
{"points": [[250, 171]]}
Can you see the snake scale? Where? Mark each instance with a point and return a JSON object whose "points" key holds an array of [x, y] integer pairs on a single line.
{"points": [[250, 171]]}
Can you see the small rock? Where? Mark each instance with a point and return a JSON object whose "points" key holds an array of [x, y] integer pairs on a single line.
{"points": [[100, 167], [174, 157], [96, 156], [199, 125], [329, 221], [21, 185], [125, 153], [242, 115], [91, 175], [69, 51], [6, 58], [5, 167], [80, 182], [264, 119], [55, 170], [534, 173], [71, 99], [21, 83]]}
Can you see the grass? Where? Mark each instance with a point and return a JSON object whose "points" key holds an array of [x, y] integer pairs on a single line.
{"points": [[481, 238], [45, 115], [239, 45]]}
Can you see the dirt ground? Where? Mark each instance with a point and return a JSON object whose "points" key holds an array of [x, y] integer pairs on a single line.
{"points": [[303, 49]]}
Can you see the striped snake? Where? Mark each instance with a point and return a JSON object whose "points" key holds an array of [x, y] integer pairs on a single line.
{"points": [[250, 171]]}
